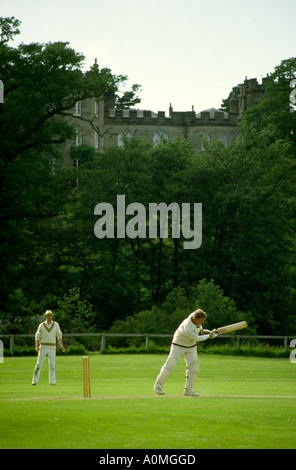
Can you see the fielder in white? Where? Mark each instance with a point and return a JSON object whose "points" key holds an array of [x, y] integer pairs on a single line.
{"points": [[46, 336], [186, 336]]}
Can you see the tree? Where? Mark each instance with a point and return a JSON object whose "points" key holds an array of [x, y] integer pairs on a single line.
{"points": [[273, 119], [248, 226], [270, 128], [169, 161], [177, 306], [9, 29], [42, 83], [76, 315], [124, 275], [113, 268]]}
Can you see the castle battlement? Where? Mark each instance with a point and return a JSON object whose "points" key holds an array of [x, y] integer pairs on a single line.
{"points": [[251, 92], [253, 86], [109, 125], [135, 113], [210, 116]]}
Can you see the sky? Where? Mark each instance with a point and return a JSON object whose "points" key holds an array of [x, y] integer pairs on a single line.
{"points": [[182, 52]]}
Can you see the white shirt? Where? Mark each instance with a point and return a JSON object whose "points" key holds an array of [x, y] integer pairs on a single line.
{"points": [[188, 334], [48, 333]]}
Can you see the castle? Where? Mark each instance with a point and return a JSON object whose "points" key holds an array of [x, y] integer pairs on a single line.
{"points": [[101, 126]]}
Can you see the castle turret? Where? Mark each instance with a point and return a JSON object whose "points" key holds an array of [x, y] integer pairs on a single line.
{"points": [[233, 103]]}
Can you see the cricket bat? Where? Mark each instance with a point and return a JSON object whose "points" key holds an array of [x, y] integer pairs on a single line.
{"points": [[229, 328]]}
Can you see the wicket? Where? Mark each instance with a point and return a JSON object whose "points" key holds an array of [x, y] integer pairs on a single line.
{"points": [[86, 377]]}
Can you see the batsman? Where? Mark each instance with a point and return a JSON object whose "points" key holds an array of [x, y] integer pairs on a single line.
{"points": [[186, 336]]}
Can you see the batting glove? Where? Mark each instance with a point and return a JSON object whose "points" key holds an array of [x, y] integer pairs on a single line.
{"points": [[213, 334]]}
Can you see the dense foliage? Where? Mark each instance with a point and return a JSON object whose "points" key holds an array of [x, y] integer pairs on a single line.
{"points": [[49, 255]]}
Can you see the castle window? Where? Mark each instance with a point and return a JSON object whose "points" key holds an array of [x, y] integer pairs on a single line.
{"points": [[205, 140], [126, 134], [78, 138], [159, 137], [96, 109], [96, 140], [238, 138], [223, 139], [77, 108], [76, 162]]}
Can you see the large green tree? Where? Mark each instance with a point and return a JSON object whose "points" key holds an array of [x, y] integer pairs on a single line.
{"points": [[273, 119], [248, 227], [42, 82], [248, 195]]}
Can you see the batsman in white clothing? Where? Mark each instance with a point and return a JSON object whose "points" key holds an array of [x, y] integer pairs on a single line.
{"points": [[186, 336], [46, 337]]}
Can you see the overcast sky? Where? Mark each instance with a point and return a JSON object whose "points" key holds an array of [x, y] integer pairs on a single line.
{"points": [[184, 52]]}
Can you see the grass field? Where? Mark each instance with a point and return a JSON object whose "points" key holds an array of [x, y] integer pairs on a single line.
{"points": [[244, 403]]}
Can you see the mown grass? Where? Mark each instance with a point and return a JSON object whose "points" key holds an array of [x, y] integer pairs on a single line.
{"points": [[244, 403]]}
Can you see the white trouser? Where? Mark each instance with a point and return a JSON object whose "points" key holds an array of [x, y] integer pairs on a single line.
{"points": [[190, 356], [44, 351]]}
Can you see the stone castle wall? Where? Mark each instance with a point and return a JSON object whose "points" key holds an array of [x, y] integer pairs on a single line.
{"points": [[102, 128]]}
